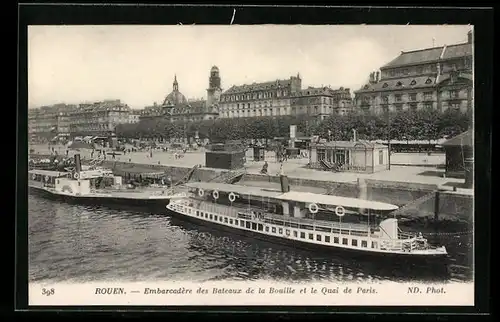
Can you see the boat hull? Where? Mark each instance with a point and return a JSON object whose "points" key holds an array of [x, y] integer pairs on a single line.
{"points": [[436, 262], [150, 204]]}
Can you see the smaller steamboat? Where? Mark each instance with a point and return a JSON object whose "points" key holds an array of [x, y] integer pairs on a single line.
{"points": [[95, 186]]}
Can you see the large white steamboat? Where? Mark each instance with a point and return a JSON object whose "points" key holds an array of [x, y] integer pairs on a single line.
{"points": [[95, 186], [306, 220]]}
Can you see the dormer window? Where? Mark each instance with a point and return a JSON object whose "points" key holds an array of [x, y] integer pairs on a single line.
{"points": [[413, 82], [366, 86], [398, 84], [428, 81], [385, 85]]}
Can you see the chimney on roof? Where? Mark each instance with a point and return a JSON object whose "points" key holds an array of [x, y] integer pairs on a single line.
{"points": [[377, 79], [469, 37], [372, 77]]}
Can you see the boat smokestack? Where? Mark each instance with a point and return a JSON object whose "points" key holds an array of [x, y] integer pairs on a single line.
{"points": [[78, 163], [285, 186]]}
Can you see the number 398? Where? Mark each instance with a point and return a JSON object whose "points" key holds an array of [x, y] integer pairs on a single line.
{"points": [[48, 292]]}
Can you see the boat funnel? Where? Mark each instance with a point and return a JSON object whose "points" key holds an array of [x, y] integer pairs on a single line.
{"points": [[285, 186], [78, 163]]}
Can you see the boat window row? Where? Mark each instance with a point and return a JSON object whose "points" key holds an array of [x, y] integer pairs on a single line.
{"points": [[278, 230]]}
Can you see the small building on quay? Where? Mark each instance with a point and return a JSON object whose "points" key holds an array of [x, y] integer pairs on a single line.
{"points": [[459, 152], [349, 156]]}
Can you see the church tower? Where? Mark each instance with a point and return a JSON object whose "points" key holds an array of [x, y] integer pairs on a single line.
{"points": [[214, 89]]}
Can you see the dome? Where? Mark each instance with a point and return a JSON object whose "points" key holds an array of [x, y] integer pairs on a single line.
{"points": [[214, 69], [175, 98]]}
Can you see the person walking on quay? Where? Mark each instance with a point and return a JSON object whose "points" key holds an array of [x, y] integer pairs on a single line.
{"points": [[151, 153], [92, 154]]}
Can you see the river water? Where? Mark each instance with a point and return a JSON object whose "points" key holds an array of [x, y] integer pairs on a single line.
{"points": [[80, 243]]}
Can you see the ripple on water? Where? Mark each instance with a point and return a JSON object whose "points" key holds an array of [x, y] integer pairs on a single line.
{"points": [[77, 243]]}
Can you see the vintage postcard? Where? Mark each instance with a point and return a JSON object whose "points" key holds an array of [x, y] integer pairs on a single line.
{"points": [[251, 165]]}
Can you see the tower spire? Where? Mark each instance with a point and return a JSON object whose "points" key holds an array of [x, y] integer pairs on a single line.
{"points": [[176, 84]]}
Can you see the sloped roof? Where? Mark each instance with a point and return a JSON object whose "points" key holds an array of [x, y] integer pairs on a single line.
{"points": [[415, 57], [459, 50], [400, 83], [463, 139], [259, 86], [427, 55], [350, 144]]}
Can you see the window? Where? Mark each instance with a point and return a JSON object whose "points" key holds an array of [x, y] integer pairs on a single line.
{"points": [[385, 85], [453, 94], [230, 221], [225, 220], [413, 97], [413, 82], [280, 231], [254, 226], [294, 233], [327, 239], [364, 243], [242, 223], [198, 214], [206, 215], [273, 230], [385, 99], [427, 95], [220, 218], [354, 242], [287, 232], [267, 228], [374, 244], [311, 236], [302, 235], [344, 241], [210, 217], [413, 106], [318, 237], [428, 81], [398, 84], [260, 227], [428, 105], [455, 105], [405, 71], [381, 157], [247, 225], [399, 107], [236, 222], [397, 97]]}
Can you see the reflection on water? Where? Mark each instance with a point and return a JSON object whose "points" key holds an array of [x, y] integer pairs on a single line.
{"points": [[78, 243]]}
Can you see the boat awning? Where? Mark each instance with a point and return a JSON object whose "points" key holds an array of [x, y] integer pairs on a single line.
{"points": [[237, 189], [309, 197], [49, 173]]}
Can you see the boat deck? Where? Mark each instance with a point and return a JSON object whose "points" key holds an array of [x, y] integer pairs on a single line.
{"points": [[234, 211]]}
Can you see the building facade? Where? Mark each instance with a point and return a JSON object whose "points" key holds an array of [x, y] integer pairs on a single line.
{"points": [[99, 118], [55, 119], [176, 108], [321, 102], [282, 97], [436, 78]]}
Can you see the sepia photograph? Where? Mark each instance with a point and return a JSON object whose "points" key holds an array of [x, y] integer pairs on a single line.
{"points": [[251, 164]]}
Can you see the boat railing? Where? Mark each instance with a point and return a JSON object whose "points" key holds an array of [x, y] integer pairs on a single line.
{"points": [[292, 222]]}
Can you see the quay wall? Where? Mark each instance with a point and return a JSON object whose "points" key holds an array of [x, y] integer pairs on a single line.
{"points": [[451, 206]]}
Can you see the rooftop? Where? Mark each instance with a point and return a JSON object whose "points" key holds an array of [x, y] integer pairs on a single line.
{"points": [[279, 83], [428, 55]]}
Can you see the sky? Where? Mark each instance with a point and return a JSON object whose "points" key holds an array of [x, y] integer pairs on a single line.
{"points": [[137, 64]]}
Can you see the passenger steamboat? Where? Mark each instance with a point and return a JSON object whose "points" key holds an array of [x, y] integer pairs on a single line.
{"points": [[305, 220], [95, 186]]}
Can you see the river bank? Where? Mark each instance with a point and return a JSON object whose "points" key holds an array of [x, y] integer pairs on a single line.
{"points": [[451, 206]]}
